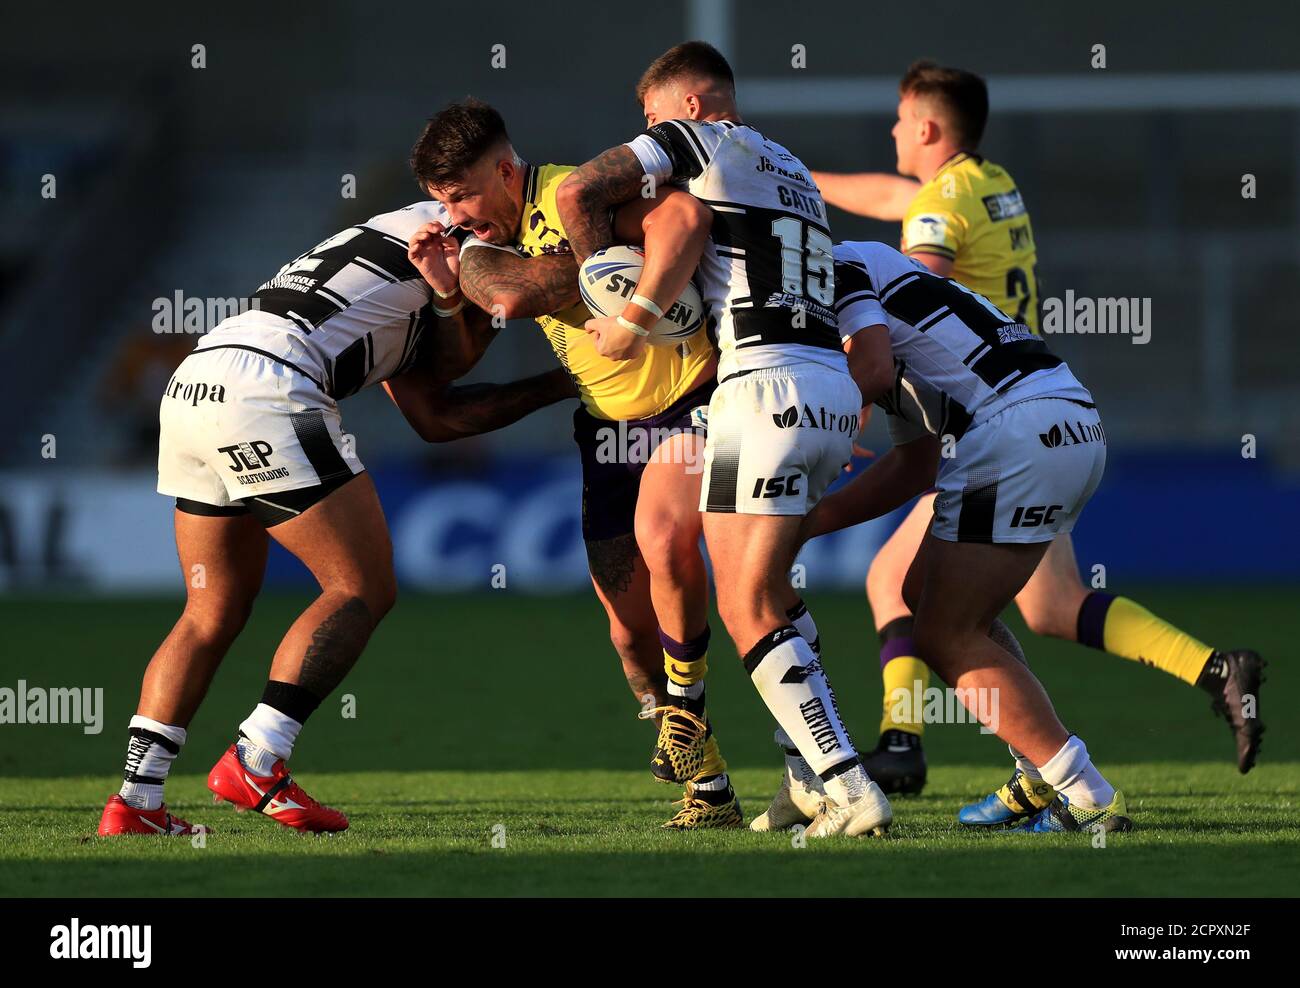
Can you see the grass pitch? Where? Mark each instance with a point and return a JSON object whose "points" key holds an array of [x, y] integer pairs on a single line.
{"points": [[506, 717]]}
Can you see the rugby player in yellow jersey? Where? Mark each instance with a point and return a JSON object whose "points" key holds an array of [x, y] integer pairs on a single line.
{"points": [[964, 218], [638, 427]]}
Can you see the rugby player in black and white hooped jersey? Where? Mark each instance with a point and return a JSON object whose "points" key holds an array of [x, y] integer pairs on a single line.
{"points": [[782, 420], [252, 449], [966, 371]]}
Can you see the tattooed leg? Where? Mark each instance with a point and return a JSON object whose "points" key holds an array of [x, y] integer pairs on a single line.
{"points": [[344, 541], [623, 585], [337, 627]]}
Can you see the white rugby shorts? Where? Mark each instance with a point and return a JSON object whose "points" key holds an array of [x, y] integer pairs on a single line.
{"points": [[777, 439], [1022, 475], [237, 424]]}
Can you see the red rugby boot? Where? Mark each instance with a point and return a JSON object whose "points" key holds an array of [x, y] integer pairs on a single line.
{"points": [[120, 817], [276, 795]]}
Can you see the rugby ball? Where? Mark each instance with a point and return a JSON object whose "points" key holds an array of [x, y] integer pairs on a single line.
{"points": [[608, 281]]}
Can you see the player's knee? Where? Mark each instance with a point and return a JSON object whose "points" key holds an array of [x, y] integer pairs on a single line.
{"points": [[748, 613], [378, 591], [629, 642], [1050, 620], [383, 598], [885, 595], [217, 622], [668, 549], [733, 609], [381, 594], [934, 642]]}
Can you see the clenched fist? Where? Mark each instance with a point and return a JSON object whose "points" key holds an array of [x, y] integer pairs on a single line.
{"points": [[436, 255]]}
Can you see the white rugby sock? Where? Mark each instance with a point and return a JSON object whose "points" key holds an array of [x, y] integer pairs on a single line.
{"points": [[268, 735], [796, 766], [692, 692], [1025, 765], [1070, 772], [803, 622], [789, 678], [718, 783], [149, 756]]}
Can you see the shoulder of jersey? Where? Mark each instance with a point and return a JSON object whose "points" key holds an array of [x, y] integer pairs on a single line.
{"points": [[880, 262], [976, 175], [990, 169], [695, 140], [544, 180], [702, 126], [405, 221], [949, 190]]}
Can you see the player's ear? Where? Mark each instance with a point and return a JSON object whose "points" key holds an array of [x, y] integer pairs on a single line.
{"points": [[692, 107]]}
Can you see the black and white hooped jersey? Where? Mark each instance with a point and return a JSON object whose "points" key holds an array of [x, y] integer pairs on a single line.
{"points": [[348, 313], [958, 359], [766, 275]]}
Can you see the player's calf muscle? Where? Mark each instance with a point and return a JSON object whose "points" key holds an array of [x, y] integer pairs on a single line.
{"points": [[336, 645]]}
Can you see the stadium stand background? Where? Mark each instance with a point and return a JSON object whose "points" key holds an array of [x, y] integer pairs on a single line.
{"points": [[204, 181]]}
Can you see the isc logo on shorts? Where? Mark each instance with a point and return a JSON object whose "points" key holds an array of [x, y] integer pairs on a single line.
{"points": [[777, 486], [1035, 515]]}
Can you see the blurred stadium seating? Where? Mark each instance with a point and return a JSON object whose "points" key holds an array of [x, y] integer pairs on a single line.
{"points": [[204, 181]]}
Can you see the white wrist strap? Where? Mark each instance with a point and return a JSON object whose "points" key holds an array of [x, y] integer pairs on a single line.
{"points": [[446, 294], [649, 305], [448, 313], [632, 327]]}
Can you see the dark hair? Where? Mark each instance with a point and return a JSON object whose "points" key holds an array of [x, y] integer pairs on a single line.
{"points": [[961, 95], [454, 139], [690, 59]]}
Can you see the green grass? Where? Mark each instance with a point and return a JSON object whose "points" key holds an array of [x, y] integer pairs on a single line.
{"points": [[473, 712]]}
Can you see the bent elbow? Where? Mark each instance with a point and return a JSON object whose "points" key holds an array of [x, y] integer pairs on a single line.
{"points": [[508, 305], [438, 432], [696, 217], [569, 194], [880, 380]]}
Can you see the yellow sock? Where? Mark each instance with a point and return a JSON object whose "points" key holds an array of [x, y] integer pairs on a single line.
{"points": [[904, 676], [684, 672], [714, 763], [1125, 628]]}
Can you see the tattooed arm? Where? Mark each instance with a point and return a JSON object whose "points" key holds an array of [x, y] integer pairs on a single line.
{"points": [[522, 287], [440, 411], [586, 198], [457, 343], [437, 409]]}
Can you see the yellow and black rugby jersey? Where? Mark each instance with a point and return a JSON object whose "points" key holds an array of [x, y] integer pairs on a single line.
{"points": [[971, 213], [609, 389]]}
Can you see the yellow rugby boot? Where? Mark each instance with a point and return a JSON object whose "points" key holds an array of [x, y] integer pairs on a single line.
{"points": [[679, 751], [703, 810]]}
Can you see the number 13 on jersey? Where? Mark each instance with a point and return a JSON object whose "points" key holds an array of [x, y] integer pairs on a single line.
{"points": [[807, 266]]}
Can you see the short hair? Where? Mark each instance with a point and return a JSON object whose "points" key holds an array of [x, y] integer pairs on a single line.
{"points": [[689, 60], [962, 97], [454, 139]]}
